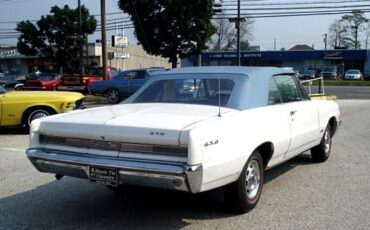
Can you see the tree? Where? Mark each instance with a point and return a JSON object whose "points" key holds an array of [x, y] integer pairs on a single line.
{"points": [[226, 35], [337, 34], [171, 28], [354, 24], [55, 36]]}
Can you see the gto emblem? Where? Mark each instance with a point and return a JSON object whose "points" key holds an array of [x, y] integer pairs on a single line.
{"points": [[208, 143], [157, 133]]}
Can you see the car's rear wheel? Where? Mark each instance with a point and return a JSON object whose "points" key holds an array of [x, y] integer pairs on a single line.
{"points": [[321, 152], [243, 194], [113, 96]]}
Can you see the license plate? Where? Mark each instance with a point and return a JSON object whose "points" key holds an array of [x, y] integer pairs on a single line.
{"points": [[107, 176]]}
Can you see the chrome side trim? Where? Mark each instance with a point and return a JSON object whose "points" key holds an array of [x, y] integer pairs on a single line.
{"points": [[167, 175]]}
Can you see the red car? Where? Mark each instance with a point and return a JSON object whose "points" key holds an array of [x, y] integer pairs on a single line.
{"points": [[80, 83], [43, 82]]}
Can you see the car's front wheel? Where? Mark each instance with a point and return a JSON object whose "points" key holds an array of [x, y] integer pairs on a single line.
{"points": [[18, 88], [321, 152], [35, 113], [113, 96], [243, 194]]}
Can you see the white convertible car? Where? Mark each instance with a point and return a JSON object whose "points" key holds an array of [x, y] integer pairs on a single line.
{"points": [[191, 129]]}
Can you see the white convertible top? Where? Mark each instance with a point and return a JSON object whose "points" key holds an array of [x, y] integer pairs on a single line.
{"points": [[250, 71]]}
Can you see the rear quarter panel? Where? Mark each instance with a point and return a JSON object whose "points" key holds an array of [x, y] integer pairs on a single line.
{"points": [[327, 110], [236, 136]]}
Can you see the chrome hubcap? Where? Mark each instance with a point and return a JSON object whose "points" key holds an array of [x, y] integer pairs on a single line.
{"points": [[252, 179], [327, 141], [37, 115], [113, 95]]}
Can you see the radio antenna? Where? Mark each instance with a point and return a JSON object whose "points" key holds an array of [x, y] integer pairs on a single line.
{"points": [[219, 96]]}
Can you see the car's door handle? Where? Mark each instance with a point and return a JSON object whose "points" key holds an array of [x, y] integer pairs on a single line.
{"points": [[292, 112]]}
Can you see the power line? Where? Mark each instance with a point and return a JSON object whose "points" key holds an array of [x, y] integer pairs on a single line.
{"points": [[293, 3], [298, 8], [286, 14]]}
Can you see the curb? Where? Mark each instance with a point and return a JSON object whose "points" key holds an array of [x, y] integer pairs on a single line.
{"points": [[331, 97]]}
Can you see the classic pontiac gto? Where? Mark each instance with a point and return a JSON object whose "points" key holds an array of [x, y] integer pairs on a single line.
{"points": [[21, 108], [191, 129]]}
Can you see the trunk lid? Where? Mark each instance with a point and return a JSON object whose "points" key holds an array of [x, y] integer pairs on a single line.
{"points": [[133, 123]]}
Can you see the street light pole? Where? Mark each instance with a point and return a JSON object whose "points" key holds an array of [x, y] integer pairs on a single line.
{"points": [[237, 23], [80, 37], [103, 38]]}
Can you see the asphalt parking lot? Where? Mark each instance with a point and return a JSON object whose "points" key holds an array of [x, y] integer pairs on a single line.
{"points": [[297, 195]]}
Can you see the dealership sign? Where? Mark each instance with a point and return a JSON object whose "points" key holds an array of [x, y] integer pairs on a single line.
{"points": [[234, 55], [119, 41], [9, 53]]}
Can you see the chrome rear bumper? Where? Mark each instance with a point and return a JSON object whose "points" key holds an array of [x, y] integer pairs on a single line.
{"points": [[166, 175]]}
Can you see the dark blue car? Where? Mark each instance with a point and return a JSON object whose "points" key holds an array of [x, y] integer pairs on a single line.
{"points": [[123, 84], [10, 80]]}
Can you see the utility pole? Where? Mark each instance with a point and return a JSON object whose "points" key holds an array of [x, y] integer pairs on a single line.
{"points": [[80, 38], [237, 21], [356, 37], [237, 25], [326, 40], [274, 44], [103, 38]]}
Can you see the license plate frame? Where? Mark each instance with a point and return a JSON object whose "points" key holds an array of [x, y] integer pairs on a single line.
{"points": [[103, 175]]}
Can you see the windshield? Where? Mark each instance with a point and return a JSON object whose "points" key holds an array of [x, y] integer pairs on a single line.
{"points": [[94, 71], [353, 71], [309, 72], [155, 71], [9, 77], [189, 90], [329, 69], [45, 78]]}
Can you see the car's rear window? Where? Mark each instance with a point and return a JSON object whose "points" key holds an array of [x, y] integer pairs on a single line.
{"points": [[203, 91]]}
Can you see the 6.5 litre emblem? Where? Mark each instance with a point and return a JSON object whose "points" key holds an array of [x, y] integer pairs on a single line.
{"points": [[153, 133], [208, 143]]}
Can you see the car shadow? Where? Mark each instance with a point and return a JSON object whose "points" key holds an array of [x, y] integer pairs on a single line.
{"points": [[302, 159], [76, 203], [13, 131]]}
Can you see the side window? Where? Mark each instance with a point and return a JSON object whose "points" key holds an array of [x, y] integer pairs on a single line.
{"points": [[302, 91], [113, 72], [139, 75], [129, 75], [274, 95], [287, 88]]}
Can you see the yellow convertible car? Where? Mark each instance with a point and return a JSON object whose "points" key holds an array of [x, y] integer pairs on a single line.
{"points": [[20, 108]]}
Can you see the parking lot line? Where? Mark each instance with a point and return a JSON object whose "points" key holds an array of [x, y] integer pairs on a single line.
{"points": [[12, 149]]}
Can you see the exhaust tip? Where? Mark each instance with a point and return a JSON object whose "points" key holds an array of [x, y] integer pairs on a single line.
{"points": [[58, 177]]}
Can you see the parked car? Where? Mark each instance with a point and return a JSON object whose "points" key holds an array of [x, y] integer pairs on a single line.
{"points": [[20, 108], [123, 84], [330, 72], [367, 75], [80, 83], [353, 74], [40, 82], [308, 74], [10, 80], [237, 122]]}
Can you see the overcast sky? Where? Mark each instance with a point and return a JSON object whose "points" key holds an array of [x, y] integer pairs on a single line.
{"points": [[287, 31]]}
